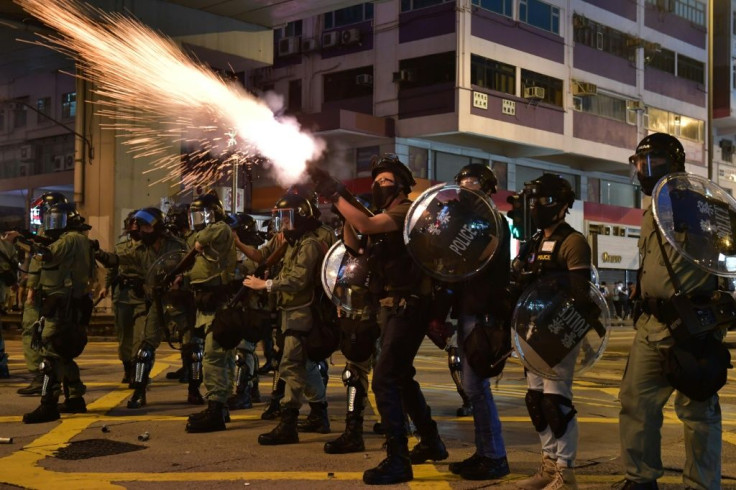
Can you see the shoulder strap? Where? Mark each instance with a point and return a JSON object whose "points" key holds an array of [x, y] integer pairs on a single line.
{"points": [[675, 281]]}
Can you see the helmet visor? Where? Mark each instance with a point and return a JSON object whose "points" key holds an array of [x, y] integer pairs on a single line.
{"points": [[196, 218], [282, 219], [648, 165], [54, 220]]}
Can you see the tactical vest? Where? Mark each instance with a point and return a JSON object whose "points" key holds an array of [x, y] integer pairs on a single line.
{"points": [[541, 257]]}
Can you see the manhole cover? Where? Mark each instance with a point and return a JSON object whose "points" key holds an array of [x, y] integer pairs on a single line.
{"points": [[91, 448]]}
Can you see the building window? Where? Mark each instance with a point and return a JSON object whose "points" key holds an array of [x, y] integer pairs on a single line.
{"points": [[447, 165], [690, 69], [348, 16], [618, 194], [68, 105], [295, 96], [503, 7], [407, 5], [20, 113], [527, 174], [603, 38], [661, 121], [346, 84], [692, 10], [492, 74], [602, 105], [663, 60], [292, 29], [43, 106], [428, 70], [501, 171], [552, 86], [540, 14], [2, 119], [363, 158]]}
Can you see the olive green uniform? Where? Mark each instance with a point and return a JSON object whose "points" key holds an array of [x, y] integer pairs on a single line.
{"points": [[128, 301], [211, 274], [644, 388], [31, 313]]}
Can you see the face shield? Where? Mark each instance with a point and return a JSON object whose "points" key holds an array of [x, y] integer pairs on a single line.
{"points": [[199, 218], [282, 219], [647, 169], [54, 220]]}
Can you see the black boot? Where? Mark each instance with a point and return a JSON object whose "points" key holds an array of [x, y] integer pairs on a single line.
{"points": [[317, 420], [430, 445], [204, 413], [47, 411], [240, 400], [138, 400], [194, 397], [128, 373], [285, 432], [211, 420], [178, 374], [255, 393], [350, 441], [273, 411], [35, 387], [73, 405], [396, 468]]}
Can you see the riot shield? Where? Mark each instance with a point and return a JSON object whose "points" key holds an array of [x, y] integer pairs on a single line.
{"points": [[345, 278], [595, 278], [453, 232], [698, 218], [560, 326]]}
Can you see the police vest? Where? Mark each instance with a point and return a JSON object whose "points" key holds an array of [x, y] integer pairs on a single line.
{"points": [[543, 255]]}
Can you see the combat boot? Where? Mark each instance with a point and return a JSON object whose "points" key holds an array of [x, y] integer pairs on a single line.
{"points": [[4, 371], [127, 370], [204, 413], [178, 374], [396, 468], [211, 420], [430, 445], [542, 478], [255, 393], [317, 420], [73, 405], [273, 411], [564, 479], [240, 400], [47, 411], [350, 441], [284, 433], [138, 400], [35, 387], [194, 397]]}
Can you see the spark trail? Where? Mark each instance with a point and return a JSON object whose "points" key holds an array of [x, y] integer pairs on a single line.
{"points": [[159, 99]]}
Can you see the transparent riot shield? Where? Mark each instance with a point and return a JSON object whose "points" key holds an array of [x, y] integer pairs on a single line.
{"points": [[560, 326], [345, 278], [698, 218], [453, 232]]}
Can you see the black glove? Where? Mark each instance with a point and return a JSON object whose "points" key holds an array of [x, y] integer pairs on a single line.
{"points": [[95, 244], [325, 185]]}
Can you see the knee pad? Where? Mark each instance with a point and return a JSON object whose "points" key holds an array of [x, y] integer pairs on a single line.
{"points": [[533, 401], [453, 360], [145, 353], [350, 376], [552, 408], [46, 366]]}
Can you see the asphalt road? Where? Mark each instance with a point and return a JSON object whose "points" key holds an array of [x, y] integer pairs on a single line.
{"points": [[173, 459]]}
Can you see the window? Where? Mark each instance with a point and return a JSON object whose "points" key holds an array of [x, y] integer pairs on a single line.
{"points": [[348, 15], [292, 29], [552, 86], [419, 162], [447, 165], [503, 7], [692, 10], [492, 74], [661, 59], [618, 194], [501, 171], [603, 38], [429, 70], [407, 5], [20, 113], [540, 14], [68, 105], [690, 69], [363, 158], [343, 84], [43, 106], [602, 105], [662, 121]]}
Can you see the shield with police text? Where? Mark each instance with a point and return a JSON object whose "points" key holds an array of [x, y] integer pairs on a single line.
{"points": [[453, 232], [345, 278], [560, 326], [698, 218]]}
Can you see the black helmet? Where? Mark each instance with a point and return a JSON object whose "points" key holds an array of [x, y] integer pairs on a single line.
{"points": [[296, 208], [483, 173], [389, 162], [656, 155], [177, 218], [247, 229], [547, 196], [306, 191], [204, 210], [42, 204]]}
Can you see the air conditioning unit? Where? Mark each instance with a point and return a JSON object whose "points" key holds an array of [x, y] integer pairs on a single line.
{"points": [[330, 39], [26, 153], [364, 79], [69, 161], [308, 45], [58, 163], [583, 88], [634, 105], [288, 46], [403, 76], [534, 93], [350, 36]]}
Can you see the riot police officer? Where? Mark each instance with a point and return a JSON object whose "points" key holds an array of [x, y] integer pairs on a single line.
{"points": [[8, 278], [644, 389], [295, 218], [210, 278], [555, 248], [474, 307], [67, 270], [31, 310], [405, 292]]}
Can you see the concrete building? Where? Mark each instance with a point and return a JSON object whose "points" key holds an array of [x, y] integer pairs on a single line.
{"points": [[563, 86]]}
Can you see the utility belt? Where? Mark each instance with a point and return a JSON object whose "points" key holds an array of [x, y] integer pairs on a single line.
{"points": [[133, 283], [692, 315], [208, 298]]}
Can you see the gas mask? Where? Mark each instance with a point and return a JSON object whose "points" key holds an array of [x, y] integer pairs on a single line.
{"points": [[148, 239]]}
